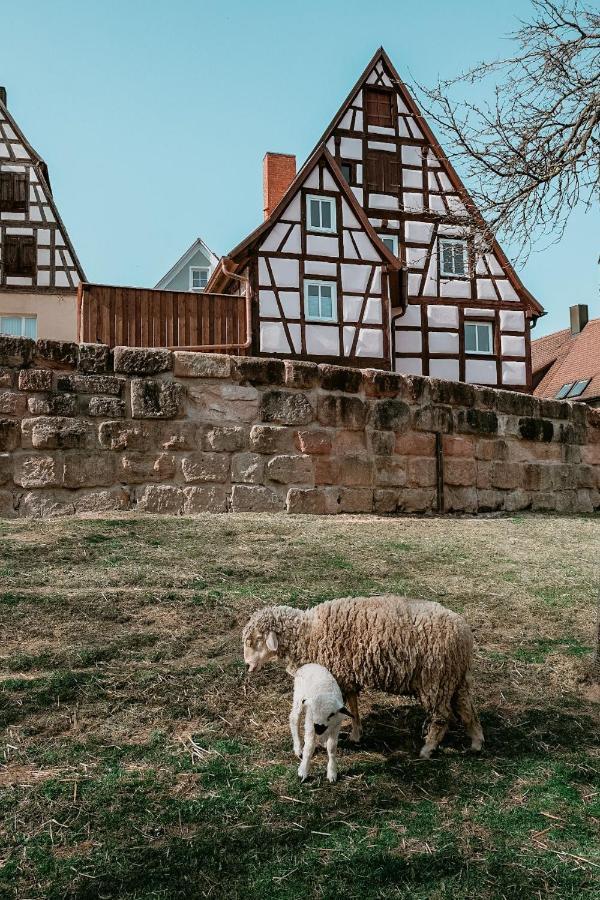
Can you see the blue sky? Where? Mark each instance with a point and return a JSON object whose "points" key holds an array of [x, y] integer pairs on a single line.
{"points": [[154, 116]]}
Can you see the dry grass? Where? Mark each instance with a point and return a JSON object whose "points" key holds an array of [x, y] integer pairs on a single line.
{"points": [[138, 761]]}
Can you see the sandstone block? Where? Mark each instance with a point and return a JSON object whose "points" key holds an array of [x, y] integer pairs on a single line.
{"points": [[543, 501], [349, 443], [392, 414], [506, 475], [35, 380], [458, 446], [300, 374], [417, 500], [201, 365], [390, 471], [385, 500], [56, 354], [492, 449], [125, 436], [564, 478], [179, 436], [215, 402], [53, 405], [326, 470], [586, 501], [476, 421], [453, 393], [258, 370], [94, 359], [484, 475], [383, 443], [313, 501], [461, 472], [316, 443], [10, 434], [106, 407], [290, 469], [571, 433], [104, 500], [591, 454], [340, 378], [344, 412], [39, 470], [378, 383], [88, 469], [422, 472], [433, 418], [536, 429], [205, 467], [138, 468], [566, 502], [489, 500], [537, 477], [248, 468], [7, 505], [6, 467], [45, 504], [414, 444], [7, 377], [15, 351], [208, 498], [286, 408], [12, 403], [92, 384], [254, 498], [516, 404], [230, 438], [271, 438], [142, 361], [356, 472], [161, 498], [553, 409], [156, 399], [460, 499], [56, 432], [516, 500], [356, 500]]}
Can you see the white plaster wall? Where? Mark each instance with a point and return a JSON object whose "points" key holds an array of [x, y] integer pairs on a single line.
{"points": [[351, 148], [267, 304], [294, 242], [474, 313], [512, 320], [411, 156], [272, 338], [384, 201], [485, 289], [412, 179], [443, 342], [359, 194], [322, 340], [412, 316], [409, 341], [290, 302], [318, 267], [480, 371], [328, 182], [355, 277], [413, 202], [409, 366], [507, 292], [286, 272], [414, 283], [349, 249], [456, 287], [348, 217], [419, 232], [514, 373], [321, 245], [352, 307], [387, 146], [365, 247], [275, 237], [373, 312], [313, 180], [292, 212], [442, 316], [416, 257], [370, 342], [512, 346], [447, 369]]}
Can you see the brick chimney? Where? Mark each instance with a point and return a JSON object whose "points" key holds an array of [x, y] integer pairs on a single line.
{"points": [[579, 317], [3, 95], [279, 170]]}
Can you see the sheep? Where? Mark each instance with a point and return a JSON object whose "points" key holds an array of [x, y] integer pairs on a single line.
{"points": [[318, 693], [394, 644]]}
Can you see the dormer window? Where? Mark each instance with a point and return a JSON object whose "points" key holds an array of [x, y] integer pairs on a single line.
{"points": [[320, 214], [13, 192], [454, 258], [198, 278]]}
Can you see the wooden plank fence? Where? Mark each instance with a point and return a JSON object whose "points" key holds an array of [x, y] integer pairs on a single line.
{"points": [[142, 317]]}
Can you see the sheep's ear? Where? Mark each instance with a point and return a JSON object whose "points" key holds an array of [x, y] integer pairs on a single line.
{"points": [[272, 642], [346, 712]]}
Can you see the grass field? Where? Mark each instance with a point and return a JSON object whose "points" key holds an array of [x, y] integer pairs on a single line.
{"points": [[139, 762]]}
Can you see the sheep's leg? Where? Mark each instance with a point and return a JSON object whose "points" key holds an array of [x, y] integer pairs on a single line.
{"points": [[294, 719], [438, 726], [332, 742], [309, 747], [356, 733], [464, 707]]}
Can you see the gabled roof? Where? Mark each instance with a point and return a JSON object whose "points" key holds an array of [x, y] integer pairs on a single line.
{"points": [[239, 253], [34, 156], [381, 56], [576, 358], [183, 260]]}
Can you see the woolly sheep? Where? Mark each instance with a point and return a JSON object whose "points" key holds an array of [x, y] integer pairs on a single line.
{"points": [[389, 643], [318, 693]]}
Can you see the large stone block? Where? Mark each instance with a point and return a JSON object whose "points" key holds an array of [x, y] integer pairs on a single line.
{"points": [[142, 361], [489, 500], [460, 472], [271, 438], [286, 408], [92, 384], [433, 418], [391, 414], [57, 432], [56, 354], [156, 399], [316, 443], [517, 499], [356, 471], [476, 421], [301, 374], [161, 498], [342, 412], [414, 444], [201, 365], [459, 446], [378, 383], [255, 498], [356, 500], [7, 377], [248, 468], [451, 393], [215, 402], [94, 359], [571, 433], [7, 505], [290, 469], [205, 467], [15, 352], [54, 405], [6, 467], [126, 435], [385, 500], [422, 472], [230, 438], [10, 434], [340, 378], [349, 443], [382, 443], [326, 469], [460, 499], [104, 500], [106, 407], [313, 501], [38, 470], [390, 472], [89, 469], [45, 504], [35, 380], [12, 403], [506, 475], [207, 498], [516, 404], [179, 435], [138, 468], [257, 370], [417, 500], [536, 429], [537, 477]]}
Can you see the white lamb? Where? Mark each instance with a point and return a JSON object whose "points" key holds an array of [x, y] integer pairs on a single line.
{"points": [[318, 693]]}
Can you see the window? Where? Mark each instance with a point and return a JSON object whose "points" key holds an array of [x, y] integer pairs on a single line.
{"points": [[320, 301], [379, 106], [383, 172], [573, 389], [19, 326], [198, 278], [320, 214], [347, 169], [478, 337], [454, 259], [13, 192], [564, 391], [391, 242], [18, 255]]}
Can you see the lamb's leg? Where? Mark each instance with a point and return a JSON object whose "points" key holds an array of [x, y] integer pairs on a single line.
{"points": [[332, 742], [438, 726], [356, 733], [464, 707], [309, 746], [294, 719]]}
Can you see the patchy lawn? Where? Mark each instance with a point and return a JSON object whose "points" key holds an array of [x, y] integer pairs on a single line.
{"points": [[138, 762]]}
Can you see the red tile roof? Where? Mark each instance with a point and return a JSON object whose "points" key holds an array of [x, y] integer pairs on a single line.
{"points": [[571, 358]]}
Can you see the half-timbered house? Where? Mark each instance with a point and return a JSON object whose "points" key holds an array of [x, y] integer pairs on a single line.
{"points": [[39, 270], [374, 254]]}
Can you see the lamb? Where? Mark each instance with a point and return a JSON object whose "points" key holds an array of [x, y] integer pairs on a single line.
{"points": [[317, 691], [394, 644]]}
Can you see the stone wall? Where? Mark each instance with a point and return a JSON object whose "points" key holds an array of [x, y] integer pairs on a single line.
{"points": [[84, 429]]}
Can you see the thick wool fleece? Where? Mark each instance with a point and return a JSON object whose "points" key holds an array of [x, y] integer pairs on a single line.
{"points": [[393, 644]]}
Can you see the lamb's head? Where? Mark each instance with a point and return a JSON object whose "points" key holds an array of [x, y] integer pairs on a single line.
{"points": [[326, 712], [263, 635]]}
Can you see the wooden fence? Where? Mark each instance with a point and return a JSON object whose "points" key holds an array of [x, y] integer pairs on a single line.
{"points": [[141, 317]]}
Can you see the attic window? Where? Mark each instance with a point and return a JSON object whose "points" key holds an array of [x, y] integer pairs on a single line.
{"points": [[347, 169], [320, 214], [380, 110], [13, 192], [391, 242], [18, 255], [198, 278], [454, 259], [573, 389], [383, 172], [564, 391]]}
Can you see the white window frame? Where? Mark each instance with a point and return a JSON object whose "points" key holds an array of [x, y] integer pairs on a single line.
{"points": [[23, 320], [465, 246], [198, 269], [316, 228], [394, 239], [332, 284], [490, 330]]}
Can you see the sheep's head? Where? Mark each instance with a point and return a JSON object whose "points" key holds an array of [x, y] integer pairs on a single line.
{"points": [[327, 712], [260, 642]]}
